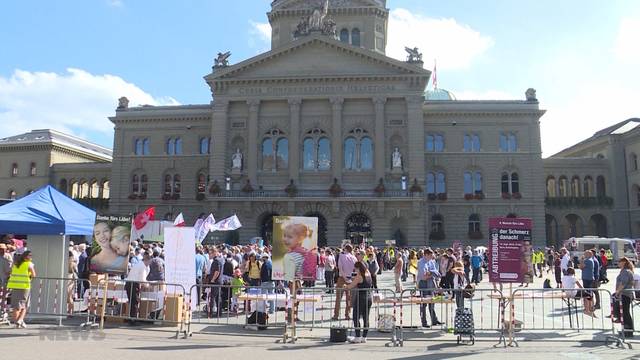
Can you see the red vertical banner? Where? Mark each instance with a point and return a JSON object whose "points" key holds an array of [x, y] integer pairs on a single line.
{"points": [[510, 250]]}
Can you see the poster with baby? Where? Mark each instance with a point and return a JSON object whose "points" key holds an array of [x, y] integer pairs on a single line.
{"points": [[295, 248], [109, 252]]}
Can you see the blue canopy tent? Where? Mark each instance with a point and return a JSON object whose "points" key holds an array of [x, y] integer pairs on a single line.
{"points": [[46, 212], [47, 217]]}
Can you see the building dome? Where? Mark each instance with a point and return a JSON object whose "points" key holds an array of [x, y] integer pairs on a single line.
{"points": [[439, 95]]}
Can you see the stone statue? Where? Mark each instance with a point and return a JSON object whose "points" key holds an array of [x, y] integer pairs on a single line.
{"points": [[222, 60], [237, 160], [396, 159], [123, 103], [531, 95], [318, 21], [414, 55]]}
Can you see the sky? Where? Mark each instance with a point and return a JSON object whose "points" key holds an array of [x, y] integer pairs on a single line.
{"points": [[64, 64]]}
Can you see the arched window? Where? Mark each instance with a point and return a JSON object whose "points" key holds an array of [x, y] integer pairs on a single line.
{"points": [[366, 153], [316, 152], [12, 194], [575, 186], [437, 223], [429, 143], [588, 187], [551, 186], [171, 146], [94, 189], [434, 143], [105, 189], [358, 150], [138, 147], [84, 189], [474, 223], [510, 183], [145, 147], [344, 35], [601, 190], [441, 183], [178, 146], [33, 169], [205, 145], [202, 183], [355, 37], [144, 180], [508, 142], [275, 151], [431, 183], [135, 184], [471, 143], [63, 186], [563, 186], [472, 182], [74, 189], [168, 184], [14, 170], [439, 143], [176, 184], [634, 162]]}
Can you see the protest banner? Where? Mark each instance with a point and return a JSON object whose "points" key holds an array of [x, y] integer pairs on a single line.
{"points": [[295, 244], [109, 252], [510, 250], [179, 259]]}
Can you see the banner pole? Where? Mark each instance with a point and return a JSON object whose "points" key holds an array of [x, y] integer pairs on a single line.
{"points": [[294, 292], [104, 303]]}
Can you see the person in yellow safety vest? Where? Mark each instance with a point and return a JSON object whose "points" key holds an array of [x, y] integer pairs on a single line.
{"points": [[19, 283], [609, 254]]}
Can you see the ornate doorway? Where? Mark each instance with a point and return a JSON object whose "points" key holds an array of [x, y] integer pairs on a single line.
{"points": [[358, 228]]}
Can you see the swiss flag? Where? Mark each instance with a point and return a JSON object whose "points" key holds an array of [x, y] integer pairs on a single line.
{"points": [[143, 218]]}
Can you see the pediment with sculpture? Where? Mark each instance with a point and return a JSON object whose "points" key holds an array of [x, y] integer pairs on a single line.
{"points": [[312, 4]]}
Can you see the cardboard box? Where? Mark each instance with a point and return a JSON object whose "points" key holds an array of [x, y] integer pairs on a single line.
{"points": [[145, 308], [174, 308]]}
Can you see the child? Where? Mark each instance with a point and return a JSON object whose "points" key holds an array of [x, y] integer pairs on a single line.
{"points": [[113, 256], [299, 263], [237, 284]]}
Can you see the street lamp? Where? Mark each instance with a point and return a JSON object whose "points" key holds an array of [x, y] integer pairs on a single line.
{"points": [[404, 182], [227, 183]]}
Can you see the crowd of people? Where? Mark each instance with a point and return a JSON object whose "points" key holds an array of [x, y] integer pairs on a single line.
{"points": [[350, 271]]}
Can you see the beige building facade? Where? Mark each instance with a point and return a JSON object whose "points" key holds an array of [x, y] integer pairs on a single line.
{"points": [[325, 124]]}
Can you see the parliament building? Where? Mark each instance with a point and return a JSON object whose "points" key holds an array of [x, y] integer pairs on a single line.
{"points": [[326, 125]]}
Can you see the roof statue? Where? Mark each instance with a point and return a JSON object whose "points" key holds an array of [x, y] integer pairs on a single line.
{"points": [[123, 103], [531, 95], [222, 60], [414, 55], [318, 21]]}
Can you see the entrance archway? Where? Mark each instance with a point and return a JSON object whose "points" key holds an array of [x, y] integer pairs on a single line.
{"points": [[598, 225], [322, 228], [398, 231], [266, 227], [573, 226], [551, 230], [358, 228]]}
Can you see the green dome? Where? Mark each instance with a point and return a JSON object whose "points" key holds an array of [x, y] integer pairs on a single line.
{"points": [[439, 95]]}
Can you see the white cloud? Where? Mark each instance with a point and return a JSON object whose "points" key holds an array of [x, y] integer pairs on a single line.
{"points": [[76, 102], [259, 36], [115, 3], [578, 116], [454, 45], [627, 44]]}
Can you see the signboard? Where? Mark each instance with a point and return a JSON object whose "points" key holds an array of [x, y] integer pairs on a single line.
{"points": [[180, 257], [152, 232], [510, 250], [295, 247], [390, 242], [110, 246]]}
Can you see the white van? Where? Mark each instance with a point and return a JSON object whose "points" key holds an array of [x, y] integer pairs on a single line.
{"points": [[619, 247]]}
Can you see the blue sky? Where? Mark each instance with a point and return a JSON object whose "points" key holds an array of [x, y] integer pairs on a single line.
{"points": [[63, 64]]}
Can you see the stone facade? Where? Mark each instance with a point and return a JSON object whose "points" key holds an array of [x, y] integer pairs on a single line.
{"points": [[31, 160], [319, 112], [593, 187]]}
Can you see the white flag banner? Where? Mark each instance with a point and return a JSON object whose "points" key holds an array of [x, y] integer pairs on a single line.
{"points": [[179, 221], [228, 224], [203, 227]]}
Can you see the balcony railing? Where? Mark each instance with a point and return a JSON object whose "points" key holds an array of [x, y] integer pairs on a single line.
{"points": [[316, 194], [95, 204], [579, 202]]}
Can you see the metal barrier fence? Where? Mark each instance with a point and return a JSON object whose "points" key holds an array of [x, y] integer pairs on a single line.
{"points": [[434, 310], [236, 306], [125, 301], [562, 309]]}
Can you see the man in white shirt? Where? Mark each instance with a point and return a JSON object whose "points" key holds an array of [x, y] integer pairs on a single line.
{"points": [[564, 262], [137, 276]]}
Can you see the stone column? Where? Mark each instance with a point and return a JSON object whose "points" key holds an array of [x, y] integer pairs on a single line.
{"points": [[336, 141], [379, 147], [294, 138], [252, 163], [218, 153], [415, 139]]}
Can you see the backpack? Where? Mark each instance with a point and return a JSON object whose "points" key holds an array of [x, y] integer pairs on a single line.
{"points": [[546, 284], [309, 264]]}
